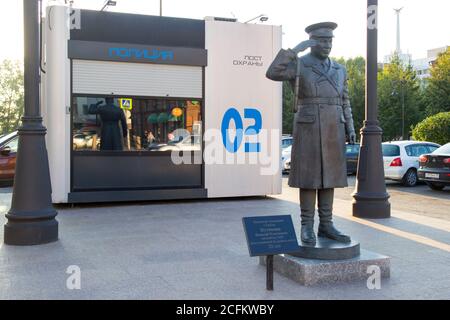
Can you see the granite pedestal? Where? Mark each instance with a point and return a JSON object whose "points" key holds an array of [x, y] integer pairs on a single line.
{"points": [[310, 272]]}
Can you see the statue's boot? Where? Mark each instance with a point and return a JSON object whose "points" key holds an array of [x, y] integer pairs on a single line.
{"points": [[307, 206], [326, 227]]}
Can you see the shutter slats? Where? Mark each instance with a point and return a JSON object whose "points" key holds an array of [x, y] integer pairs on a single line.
{"points": [[134, 79]]}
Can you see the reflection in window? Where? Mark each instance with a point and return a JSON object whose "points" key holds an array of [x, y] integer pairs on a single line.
{"points": [[151, 124], [416, 150], [390, 150], [352, 148], [431, 149]]}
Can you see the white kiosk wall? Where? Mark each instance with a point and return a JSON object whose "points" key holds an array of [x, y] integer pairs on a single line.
{"points": [[238, 57], [56, 112]]}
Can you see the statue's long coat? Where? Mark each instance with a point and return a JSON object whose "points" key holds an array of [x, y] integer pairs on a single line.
{"points": [[324, 115]]}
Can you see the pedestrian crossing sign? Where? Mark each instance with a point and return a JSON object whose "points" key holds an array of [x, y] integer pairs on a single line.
{"points": [[126, 104]]}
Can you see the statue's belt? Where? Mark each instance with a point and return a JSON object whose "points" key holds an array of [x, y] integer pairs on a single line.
{"points": [[331, 101]]}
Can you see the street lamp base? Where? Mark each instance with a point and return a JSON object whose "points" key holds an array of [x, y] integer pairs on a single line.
{"points": [[26, 233], [31, 219], [374, 208]]}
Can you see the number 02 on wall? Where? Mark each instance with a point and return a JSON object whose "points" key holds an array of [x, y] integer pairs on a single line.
{"points": [[233, 115]]}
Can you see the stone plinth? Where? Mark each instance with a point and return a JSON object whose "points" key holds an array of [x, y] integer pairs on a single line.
{"points": [[309, 272]]}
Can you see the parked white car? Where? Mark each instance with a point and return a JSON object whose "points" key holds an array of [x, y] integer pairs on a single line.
{"points": [[401, 159], [286, 159]]}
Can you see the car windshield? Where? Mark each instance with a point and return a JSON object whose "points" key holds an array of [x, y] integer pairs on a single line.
{"points": [[390, 150], [7, 137], [286, 142], [445, 149]]}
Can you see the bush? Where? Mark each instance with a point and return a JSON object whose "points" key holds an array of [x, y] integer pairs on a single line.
{"points": [[434, 129]]}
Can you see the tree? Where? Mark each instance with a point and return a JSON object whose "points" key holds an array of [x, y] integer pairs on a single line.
{"points": [[437, 92], [434, 129], [11, 95], [356, 73], [398, 85]]}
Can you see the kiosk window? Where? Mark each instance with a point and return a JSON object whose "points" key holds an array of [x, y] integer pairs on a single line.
{"points": [[150, 124]]}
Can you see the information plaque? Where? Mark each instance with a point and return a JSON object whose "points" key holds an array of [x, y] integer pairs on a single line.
{"points": [[270, 235]]}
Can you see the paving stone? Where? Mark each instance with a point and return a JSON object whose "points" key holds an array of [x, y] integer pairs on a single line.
{"points": [[197, 250]]}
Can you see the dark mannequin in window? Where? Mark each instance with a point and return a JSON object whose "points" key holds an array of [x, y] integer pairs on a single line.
{"points": [[113, 119]]}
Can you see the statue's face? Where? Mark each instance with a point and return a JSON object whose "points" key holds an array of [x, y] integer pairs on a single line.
{"points": [[323, 48]]}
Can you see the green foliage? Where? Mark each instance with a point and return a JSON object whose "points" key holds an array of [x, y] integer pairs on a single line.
{"points": [[356, 73], [437, 92], [434, 129], [397, 85], [11, 95]]}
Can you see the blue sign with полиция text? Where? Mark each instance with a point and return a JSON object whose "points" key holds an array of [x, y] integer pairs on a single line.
{"points": [[149, 54], [270, 235], [106, 51]]}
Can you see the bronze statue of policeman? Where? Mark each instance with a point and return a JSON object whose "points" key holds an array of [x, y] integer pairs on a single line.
{"points": [[322, 121]]}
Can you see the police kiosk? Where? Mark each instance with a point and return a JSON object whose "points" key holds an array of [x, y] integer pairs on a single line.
{"points": [[194, 94]]}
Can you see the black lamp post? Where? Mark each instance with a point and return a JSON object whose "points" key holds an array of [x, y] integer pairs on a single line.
{"points": [[31, 219], [370, 196]]}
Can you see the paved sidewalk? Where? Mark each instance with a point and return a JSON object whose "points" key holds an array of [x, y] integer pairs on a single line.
{"points": [[197, 250]]}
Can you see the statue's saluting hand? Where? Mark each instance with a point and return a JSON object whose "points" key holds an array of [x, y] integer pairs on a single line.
{"points": [[302, 46]]}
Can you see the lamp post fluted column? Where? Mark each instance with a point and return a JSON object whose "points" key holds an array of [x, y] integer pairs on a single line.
{"points": [[370, 196], [31, 219]]}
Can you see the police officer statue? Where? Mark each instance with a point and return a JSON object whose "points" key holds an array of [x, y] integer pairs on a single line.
{"points": [[322, 120]]}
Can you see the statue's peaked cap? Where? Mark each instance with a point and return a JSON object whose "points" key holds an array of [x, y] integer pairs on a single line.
{"points": [[322, 29]]}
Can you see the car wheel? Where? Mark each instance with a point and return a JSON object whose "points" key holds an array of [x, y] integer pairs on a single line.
{"points": [[410, 178], [435, 186]]}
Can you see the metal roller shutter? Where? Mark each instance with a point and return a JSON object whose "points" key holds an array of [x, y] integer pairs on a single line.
{"points": [[134, 79]]}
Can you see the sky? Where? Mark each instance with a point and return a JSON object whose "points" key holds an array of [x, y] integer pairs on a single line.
{"points": [[424, 24]]}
